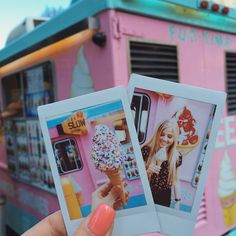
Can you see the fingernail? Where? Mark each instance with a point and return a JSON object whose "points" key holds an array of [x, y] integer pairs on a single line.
{"points": [[101, 220]]}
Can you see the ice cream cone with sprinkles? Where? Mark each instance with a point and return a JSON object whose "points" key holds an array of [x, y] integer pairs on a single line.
{"points": [[108, 156]]}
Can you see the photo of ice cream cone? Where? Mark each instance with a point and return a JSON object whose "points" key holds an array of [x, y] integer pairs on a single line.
{"points": [[107, 155]]}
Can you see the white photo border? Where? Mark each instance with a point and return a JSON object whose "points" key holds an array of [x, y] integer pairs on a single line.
{"points": [[175, 222], [125, 219]]}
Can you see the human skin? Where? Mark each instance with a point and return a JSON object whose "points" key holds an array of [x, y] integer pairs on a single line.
{"points": [[99, 223]]}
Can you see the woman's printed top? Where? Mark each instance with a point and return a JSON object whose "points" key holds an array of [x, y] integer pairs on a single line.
{"points": [[160, 181]]}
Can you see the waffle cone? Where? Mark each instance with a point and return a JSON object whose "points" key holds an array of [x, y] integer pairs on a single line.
{"points": [[158, 163], [116, 178], [228, 204]]}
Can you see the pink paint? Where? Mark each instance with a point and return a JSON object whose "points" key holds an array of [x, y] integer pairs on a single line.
{"points": [[64, 63], [40, 203]]}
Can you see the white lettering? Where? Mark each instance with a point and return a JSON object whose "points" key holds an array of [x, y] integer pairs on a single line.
{"points": [[220, 137], [229, 131], [226, 135]]}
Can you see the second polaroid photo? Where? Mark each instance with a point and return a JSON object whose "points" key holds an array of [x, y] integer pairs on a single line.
{"points": [[176, 126]]}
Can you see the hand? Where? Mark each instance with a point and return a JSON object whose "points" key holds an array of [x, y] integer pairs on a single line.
{"points": [[153, 168], [100, 222], [109, 194]]}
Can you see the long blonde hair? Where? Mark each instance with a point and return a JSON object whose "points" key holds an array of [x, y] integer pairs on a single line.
{"points": [[154, 146]]}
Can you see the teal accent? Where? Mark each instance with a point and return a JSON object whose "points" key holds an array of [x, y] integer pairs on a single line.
{"points": [[185, 3], [90, 112], [232, 233], [85, 210], [182, 207], [82, 9], [18, 219], [185, 208], [74, 14], [134, 201]]}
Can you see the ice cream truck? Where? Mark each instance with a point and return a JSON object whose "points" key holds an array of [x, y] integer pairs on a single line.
{"points": [[94, 45]]}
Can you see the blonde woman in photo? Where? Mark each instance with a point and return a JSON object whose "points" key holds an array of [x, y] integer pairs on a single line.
{"points": [[162, 161]]}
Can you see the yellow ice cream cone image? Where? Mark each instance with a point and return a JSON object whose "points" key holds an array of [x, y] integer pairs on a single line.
{"points": [[71, 199], [227, 191], [228, 204]]}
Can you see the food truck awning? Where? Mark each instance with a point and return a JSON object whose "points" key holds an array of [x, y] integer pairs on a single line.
{"points": [[79, 17], [75, 19]]}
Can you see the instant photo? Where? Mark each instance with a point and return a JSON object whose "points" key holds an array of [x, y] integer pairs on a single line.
{"points": [[92, 145], [176, 126]]}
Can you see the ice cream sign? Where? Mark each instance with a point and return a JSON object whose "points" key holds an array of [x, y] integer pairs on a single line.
{"points": [[74, 125]]}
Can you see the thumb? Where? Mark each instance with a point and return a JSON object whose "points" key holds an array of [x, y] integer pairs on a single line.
{"points": [[99, 223]]}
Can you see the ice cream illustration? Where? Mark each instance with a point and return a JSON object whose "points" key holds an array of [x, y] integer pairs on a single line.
{"points": [[160, 156], [81, 78], [188, 138], [227, 191], [108, 156]]}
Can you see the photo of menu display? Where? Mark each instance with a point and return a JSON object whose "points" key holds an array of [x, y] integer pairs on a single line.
{"points": [[10, 147], [37, 90], [21, 150], [40, 173]]}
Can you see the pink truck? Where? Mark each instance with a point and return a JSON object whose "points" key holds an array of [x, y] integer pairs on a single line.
{"points": [[95, 45]]}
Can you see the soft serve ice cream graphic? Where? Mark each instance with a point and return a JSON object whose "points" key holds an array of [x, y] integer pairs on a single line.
{"points": [[81, 78], [227, 191]]}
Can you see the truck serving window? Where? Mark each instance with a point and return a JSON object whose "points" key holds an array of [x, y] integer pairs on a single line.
{"points": [[23, 92]]}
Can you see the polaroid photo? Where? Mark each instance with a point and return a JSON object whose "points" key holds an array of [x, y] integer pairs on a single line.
{"points": [[92, 146], [176, 126]]}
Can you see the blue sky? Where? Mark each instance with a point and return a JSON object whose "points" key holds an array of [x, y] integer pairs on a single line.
{"points": [[13, 12]]}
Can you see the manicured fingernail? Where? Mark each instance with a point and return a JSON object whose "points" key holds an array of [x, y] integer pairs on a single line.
{"points": [[101, 220]]}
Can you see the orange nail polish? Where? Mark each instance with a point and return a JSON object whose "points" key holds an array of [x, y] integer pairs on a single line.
{"points": [[101, 220]]}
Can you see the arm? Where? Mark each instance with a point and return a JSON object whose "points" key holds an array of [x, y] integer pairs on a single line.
{"points": [[177, 186]]}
